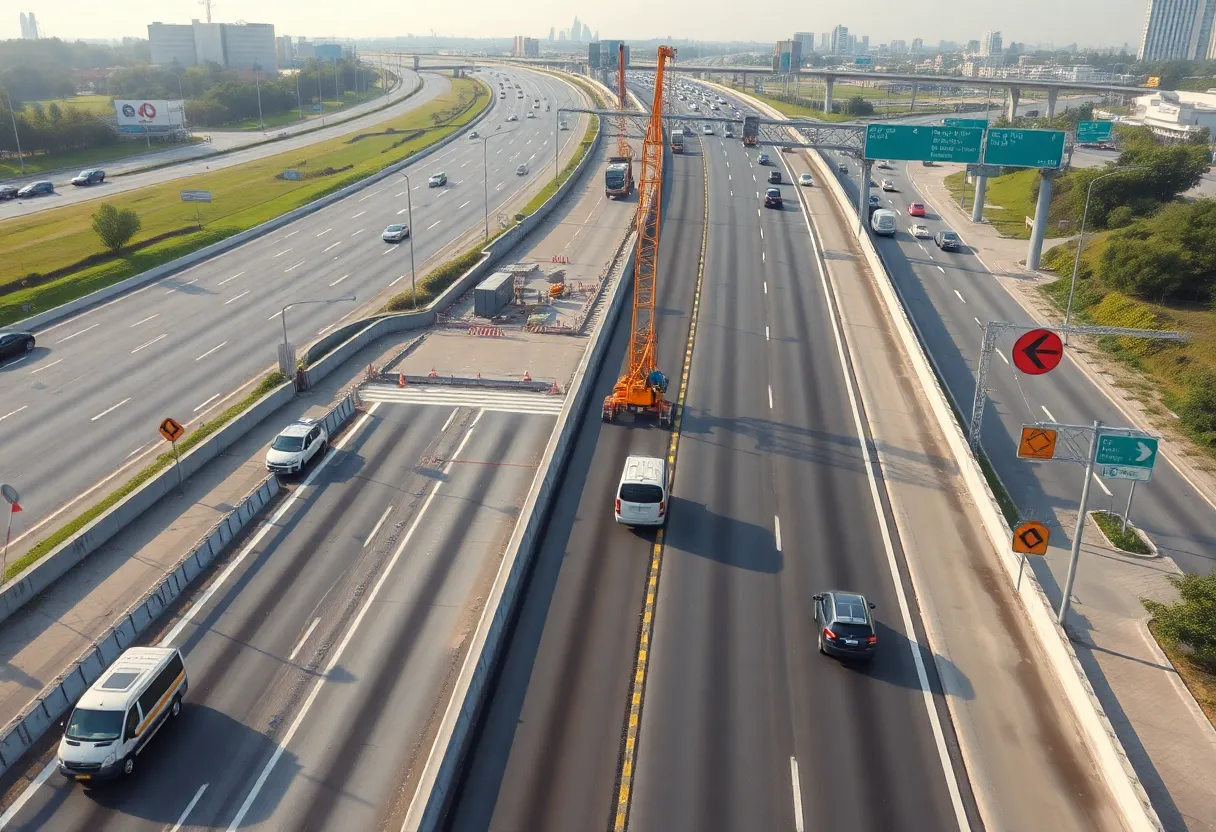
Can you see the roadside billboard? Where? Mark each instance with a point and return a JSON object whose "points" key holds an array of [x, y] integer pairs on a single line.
{"points": [[148, 116]]}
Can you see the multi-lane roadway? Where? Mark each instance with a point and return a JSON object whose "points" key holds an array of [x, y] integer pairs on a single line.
{"points": [[84, 404]]}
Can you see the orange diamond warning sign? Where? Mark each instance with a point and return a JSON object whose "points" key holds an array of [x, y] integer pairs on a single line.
{"points": [[1037, 443], [1031, 538]]}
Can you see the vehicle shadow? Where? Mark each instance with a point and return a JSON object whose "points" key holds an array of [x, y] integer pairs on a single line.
{"points": [[25, 360], [893, 664], [695, 529]]}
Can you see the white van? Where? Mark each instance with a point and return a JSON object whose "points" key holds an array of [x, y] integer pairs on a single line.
{"points": [[641, 497], [883, 222], [120, 712]]}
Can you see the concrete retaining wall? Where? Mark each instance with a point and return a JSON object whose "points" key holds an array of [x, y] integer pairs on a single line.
{"points": [[194, 258], [1104, 746], [55, 700]]}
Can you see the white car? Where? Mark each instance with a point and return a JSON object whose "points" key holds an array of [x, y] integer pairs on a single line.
{"points": [[805, 180], [395, 233], [513, 117], [522, 170], [295, 446], [561, 125], [708, 129], [531, 114], [888, 185], [437, 180], [921, 232]]}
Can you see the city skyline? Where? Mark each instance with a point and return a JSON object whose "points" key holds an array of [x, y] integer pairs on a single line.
{"points": [[1098, 23]]}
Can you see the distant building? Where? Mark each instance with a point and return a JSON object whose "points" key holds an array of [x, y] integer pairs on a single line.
{"points": [[235, 46], [864, 44], [329, 51], [208, 43], [29, 26], [840, 40], [1175, 115], [787, 56], [284, 50], [806, 42], [825, 42], [992, 44], [899, 46], [852, 47], [576, 31], [604, 54], [551, 34], [172, 43], [249, 46], [525, 47], [918, 45], [586, 38], [306, 50], [1177, 30]]}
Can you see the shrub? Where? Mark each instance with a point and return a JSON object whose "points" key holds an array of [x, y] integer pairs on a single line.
{"points": [[1191, 620], [115, 226]]}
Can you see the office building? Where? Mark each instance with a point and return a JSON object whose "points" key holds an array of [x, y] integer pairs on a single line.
{"points": [[284, 50], [973, 46], [29, 26], [864, 44], [586, 38], [305, 49], [806, 42], [918, 45], [235, 46], [787, 56], [840, 40], [525, 47], [603, 54], [249, 46], [208, 43], [825, 42], [1177, 30], [852, 48], [899, 46], [328, 51], [172, 43], [576, 31], [991, 45]]}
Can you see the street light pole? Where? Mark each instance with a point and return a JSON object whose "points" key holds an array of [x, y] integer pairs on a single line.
{"points": [[13, 114], [283, 313], [409, 218], [299, 104], [257, 82], [1076, 263], [183, 97]]}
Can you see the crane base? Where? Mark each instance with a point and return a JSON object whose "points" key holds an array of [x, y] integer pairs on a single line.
{"points": [[661, 411]]}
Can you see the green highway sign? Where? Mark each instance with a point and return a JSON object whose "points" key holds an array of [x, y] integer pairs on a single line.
{"points": [[1126, 451], [1013, 148], [1126, 472], [922, 143], [1089, 132], [865, 60], [981, 123]]}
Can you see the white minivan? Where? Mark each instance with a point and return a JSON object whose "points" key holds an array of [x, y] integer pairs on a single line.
{"points": [[883, 222], [120, 712], [641, 497]]}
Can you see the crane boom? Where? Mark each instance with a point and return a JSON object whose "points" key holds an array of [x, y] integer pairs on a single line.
{"points": [[622, 143], [643, 387]]}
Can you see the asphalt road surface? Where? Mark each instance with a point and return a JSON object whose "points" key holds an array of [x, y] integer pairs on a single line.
{"points": [[320, 658], [744, 725], [85, 403]]}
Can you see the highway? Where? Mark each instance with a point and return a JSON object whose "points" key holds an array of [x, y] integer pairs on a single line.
{"points": [[946, 293], [743, 725], [199, 158], [320, 656], [84, 404]]}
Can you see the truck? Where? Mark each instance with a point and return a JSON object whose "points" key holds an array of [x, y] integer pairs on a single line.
{"points": [[677, 141], [751, 131], [618, 177]]}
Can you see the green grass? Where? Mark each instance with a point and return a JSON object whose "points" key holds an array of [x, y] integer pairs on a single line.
{"points": [[1112, 526], [244, 196], [332, 107], [1009, 200], [793, 110], [45, 546], [96, 104], [92, 157]]}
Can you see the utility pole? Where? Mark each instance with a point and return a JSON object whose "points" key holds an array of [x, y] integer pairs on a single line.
{"points": [[257, 81], [13, 114]]}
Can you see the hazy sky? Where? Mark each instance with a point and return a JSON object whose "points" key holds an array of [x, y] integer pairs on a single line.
{"points": [[1087, 22]]}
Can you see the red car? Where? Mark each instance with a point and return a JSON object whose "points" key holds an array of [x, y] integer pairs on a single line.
{"points": [[916, 209]]}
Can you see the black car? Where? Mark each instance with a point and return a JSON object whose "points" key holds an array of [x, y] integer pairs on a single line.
{"points": [[8, 192], [92, 176], [774, 177], [846, 628], [15, 343], [772, 198], [763, 159], [947, 240], [44, 186]]}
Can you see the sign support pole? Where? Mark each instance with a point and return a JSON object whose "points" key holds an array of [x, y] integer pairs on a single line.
{"points": [[863, 195], [1077, 533], [1128, 513], [177, 464], [977, 207], [1039, 232], [981, 384], [7, 533]]}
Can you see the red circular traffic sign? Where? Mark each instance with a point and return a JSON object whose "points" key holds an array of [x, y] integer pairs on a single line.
{"points": [[1038, 351]]}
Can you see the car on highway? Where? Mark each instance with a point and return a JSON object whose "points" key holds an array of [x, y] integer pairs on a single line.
{"points": [[39, 188], [846, 628], [713, 106], [474, 135], [947, 240], [531, 114], [873, 184], [502, 95], [561, 125], [875, 201], [522, 170], [772, 198], [763, 159], [641, 495], [888, 185], [842, 169], [884, 165], [921, 232], [295, 446], [707, 129], [774, 177], [688, 131], [916, 209], [806, 180], [8, 192], [13, 342], [513, 117], [437, 180], [92, 176], [395, 233], [729, 132]]}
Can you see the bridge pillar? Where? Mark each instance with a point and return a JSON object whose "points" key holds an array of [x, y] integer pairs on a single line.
{"points": [[1011, 102], [1052, 95], [915, 89], [1035, 250], [828, 83], [977, 207]]}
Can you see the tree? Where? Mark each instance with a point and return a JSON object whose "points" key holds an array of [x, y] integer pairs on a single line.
{"points": [[1142, 265], [1191, 620], [115, 226], [858, 106]]}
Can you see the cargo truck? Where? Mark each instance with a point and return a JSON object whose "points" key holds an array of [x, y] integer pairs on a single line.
{"points": [[751, 131], [618, 177], [677, 141]]}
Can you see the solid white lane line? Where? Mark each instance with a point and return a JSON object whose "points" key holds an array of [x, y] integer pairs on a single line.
{"points": [[204, 404], [46, 366], [110, 409], [79, 332], [451, 416], [799, 820], [296, 266], [432, 225], [376, 527], [149, 343], [956, 292], [229, 279], [144, 321], [24, 797], [1002, 355], [331, 245], [326, 231], [777, 531], [281, 253], [291, 657], [210, 351], [477, 418], [238, 297], [189, 807], [341, 648], [340, 279], [943, 271], [181, 285], [770, 397], [1101, 484], [13, 412], [1048, 412], [766, 335]]}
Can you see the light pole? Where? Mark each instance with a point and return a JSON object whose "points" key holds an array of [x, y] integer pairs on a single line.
{"points": [[183, 97], [320, 100], [299, 104], [1076, 263], [485, 171], [13, 114], [409, 219], [257, 82], [283, 314], [337, 95]]}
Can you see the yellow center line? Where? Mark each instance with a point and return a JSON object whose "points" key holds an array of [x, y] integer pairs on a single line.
{"points": [[637, 689]]}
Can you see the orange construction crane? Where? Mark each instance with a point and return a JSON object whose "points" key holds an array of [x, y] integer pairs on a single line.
{"points": [[643, 388], [623, 147]]}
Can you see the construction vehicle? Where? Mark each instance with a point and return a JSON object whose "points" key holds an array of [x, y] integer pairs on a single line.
{"points": [[642, 389], [751, 131], [677, 140], [618, 177]]}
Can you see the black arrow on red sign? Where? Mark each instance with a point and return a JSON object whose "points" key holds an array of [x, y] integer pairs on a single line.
{"points": [[1038, 352]]}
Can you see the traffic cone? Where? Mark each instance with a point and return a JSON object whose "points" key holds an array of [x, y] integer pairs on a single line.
{"points": [[554, 390], [433, 374], [401, 379], [527, 375], [479, 373]]}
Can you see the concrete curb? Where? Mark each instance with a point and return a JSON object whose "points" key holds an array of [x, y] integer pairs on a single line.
{"points": [[1129, 794], [65, 310], [1148, 541], [56, 698]]}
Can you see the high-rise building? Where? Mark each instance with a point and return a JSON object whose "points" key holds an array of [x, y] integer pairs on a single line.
{"points": [[561, 36], [899, 46], [992, 44], [576, 30], [1179, 29], [865, 43], [208, 43], [552, 35], [305, 49], [806, 41], [825, 42], [235, 46], [172, 43], [840, 40], [586, 38], [918, 45], [525, 47], [973, 46], [604, 54], [29, 26], [787, 56], [284, 50]]}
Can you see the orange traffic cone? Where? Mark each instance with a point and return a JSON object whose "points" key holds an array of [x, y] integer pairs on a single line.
{"points": [[527, 376], [401, 379], [555, 390], [433, 374]]}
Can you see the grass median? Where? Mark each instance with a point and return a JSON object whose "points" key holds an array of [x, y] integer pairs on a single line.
{"points": [[47, 544], [52, 257]]}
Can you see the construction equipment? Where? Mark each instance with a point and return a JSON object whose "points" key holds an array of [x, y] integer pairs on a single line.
{"points": [[618, 177], [643, 387], [622, 98]]}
